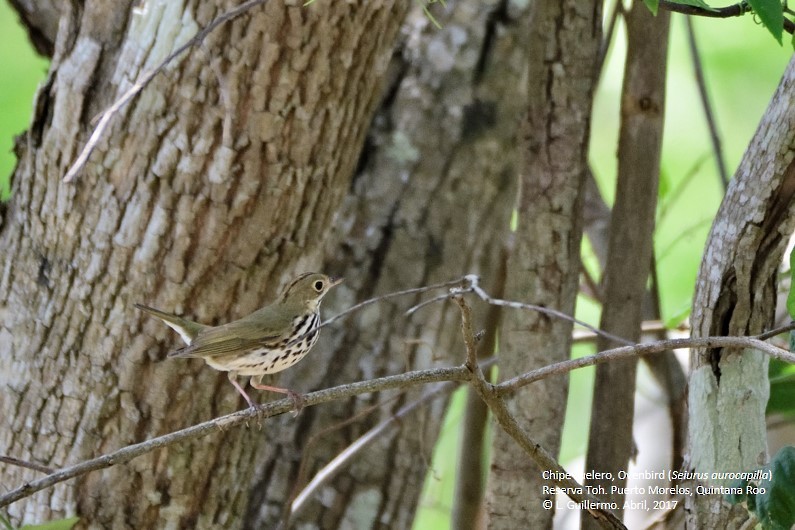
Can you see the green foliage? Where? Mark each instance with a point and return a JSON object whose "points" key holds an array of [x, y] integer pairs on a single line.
{"points": [[425, 4], [652, 5], [60, 524], [678, 317], [22, 70], [772, 499], [771, 14], [791, 295], [782, 388]]}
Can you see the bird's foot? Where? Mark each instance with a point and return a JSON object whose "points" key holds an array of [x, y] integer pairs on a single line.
{"points": [[298, 402]]}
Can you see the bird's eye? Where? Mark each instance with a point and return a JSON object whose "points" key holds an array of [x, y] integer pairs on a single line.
{"points": [[319, 285]]}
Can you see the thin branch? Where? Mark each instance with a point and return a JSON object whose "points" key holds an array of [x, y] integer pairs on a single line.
{"points": [[471, 284], [545, 461], [452, 283], [776, 331], [706, 104], [618, 10], [107, 115], [125, 454], [23, 463], [483, 295], [735, 10], [646, 327], [563, 367], [299, 484], [459, 282], [339, 462], [460, 373]]}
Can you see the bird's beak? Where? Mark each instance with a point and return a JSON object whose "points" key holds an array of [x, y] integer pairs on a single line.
{"points": [[336, 281]]}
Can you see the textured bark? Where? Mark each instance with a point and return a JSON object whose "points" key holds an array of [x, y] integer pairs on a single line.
{"points": [[562, 50], [736, 295], [213, 188], [433, 188], [610, 443]]}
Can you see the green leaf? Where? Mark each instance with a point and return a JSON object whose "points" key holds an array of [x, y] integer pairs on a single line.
{"points": [[791, 294], [5, 522], [771, 13], [782, 388], [677, 318], [775, 497], [652, 5], [771, 498], [60, 524]]}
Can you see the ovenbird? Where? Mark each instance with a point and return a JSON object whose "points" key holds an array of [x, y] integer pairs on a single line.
{"points": [[265, 342]]}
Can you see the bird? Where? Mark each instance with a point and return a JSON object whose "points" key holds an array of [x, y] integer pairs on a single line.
{"points": [[267, 341]]}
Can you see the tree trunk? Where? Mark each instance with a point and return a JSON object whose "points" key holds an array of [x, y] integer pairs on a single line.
{"points": [[545, 265], [736, 295], [433, 188], [213, 188], [610, 442]]}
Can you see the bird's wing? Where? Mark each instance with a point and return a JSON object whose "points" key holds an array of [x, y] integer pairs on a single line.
{"points": [[249, 332]]}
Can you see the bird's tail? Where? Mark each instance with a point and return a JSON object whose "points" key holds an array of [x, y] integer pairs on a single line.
{"points": [[187, 329]]}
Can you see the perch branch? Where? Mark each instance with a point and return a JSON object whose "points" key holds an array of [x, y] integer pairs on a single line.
{"points": [[491, 394], [563, 367], [471, 283], [125, 454], [509, 424], [23, 463], [339, 462]]}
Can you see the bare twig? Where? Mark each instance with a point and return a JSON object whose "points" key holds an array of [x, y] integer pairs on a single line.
{"points": [[23, 463], [314, 440], [452, 283], [107, 115], [490, 393], [342, 460], [483, 295], [618, 10], [511, 385], [559, 476], [706, 104], [776, 331], [734, 10], [125, 454], [472, 458]]}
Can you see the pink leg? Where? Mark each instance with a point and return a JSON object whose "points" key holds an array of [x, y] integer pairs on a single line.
{"points": [[298, 399], [233, 380]]}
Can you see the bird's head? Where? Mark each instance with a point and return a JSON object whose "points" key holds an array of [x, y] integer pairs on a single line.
{"points": [[309, 289]]}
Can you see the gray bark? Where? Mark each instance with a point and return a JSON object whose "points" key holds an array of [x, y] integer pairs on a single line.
{"points": [[610, 443], [736, 295], [563, 45], [434, 187], [213, 188]]}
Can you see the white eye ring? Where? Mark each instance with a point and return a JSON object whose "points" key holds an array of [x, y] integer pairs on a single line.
{"points": [[318, 285]]}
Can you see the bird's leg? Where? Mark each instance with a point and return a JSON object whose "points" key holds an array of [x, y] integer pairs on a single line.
{"points": [[298, 399], [233, 380]]}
